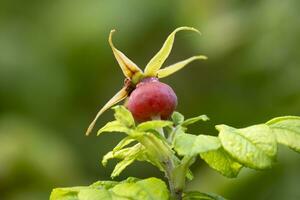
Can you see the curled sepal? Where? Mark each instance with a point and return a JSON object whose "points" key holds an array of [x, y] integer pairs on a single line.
{"points": [[129, 68], [156, 62], [122, 94], [178, 66]]}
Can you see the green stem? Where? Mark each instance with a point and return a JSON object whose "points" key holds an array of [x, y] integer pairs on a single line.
{"points": [[159, 130], [175, 182], [176, 193]]}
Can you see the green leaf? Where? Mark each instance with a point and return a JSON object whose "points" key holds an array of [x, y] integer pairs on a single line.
{"points": [[121, 166], [105, 184], [131, 188], [65, 193], [222, 162], [114, 126], [121, 154], [194, 120], [124, 116], [194, 195], [148, 189], [254, 146], [124, 142], [182, 171], [190, 145], [156, 62], [154, 124], [167, 71], [128, 155], [287, 131], [177, 118], [94, 194]]}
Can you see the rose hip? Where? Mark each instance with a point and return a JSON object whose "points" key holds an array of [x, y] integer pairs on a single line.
{"points": [[152, 99]]}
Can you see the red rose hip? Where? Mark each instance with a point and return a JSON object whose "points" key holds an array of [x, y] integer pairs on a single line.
{"points": [[148, 98], [152, 99]]}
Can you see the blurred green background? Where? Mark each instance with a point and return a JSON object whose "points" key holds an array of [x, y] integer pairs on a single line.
{"points": [[57, 70]]}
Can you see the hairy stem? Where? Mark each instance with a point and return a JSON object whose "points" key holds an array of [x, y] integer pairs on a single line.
{"points": [[176, 192]]}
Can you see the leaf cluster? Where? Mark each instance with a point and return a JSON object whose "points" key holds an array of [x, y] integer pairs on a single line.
{"points": [[168, 146], [253, 147], [131, 188]]}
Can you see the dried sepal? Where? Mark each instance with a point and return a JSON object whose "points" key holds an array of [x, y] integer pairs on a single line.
{"points": [[129, 68], [122, 94]]}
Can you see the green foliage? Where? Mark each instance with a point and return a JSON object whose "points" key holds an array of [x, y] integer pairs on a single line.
{"points": [[201, 196], [194, 120], [234, 148], [148, 189], [192, 145], [254, 146], [123, 116], [146, 126], [287, 131], [221, 161]]}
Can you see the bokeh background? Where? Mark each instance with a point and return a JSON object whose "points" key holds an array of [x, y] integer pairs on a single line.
{"points": [[57, 70]]}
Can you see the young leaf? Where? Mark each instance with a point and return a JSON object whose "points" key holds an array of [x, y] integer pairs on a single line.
{"points": [[154, 124], [222, 162], [128, 158], [124, 116], [124, 142], [121, 166], [254, 146], [157, 148], [114, 126], [191, 145], [287, 131], [177, 66], [125, 153], [121, 154], [194, 120], [148, 189], [177, 118], [156, 62], [122, 94], [129, 68], [182, 171], [194, 195]]}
